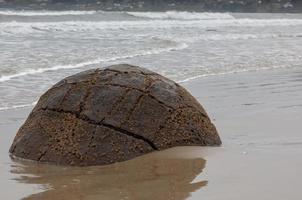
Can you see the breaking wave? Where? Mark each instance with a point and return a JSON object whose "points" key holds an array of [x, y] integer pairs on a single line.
{"points": [[179, 46], [45, 13], [17, 106], [234, 36], [181, 15], [229, 72], [74, 26]]}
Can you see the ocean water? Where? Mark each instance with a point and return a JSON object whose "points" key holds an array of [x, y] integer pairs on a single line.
{"points": [[39, 48]]}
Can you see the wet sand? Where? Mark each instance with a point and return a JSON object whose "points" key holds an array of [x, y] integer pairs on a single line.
{"points": [[258, 116]]}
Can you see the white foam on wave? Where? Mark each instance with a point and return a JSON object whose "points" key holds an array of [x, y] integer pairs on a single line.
{"points": [[181, 15], [18, 106], [234, 36], [81, 26], [179, 46], [237, 36], [5, 78], [45, 13], [229, 72], [180, 81]]}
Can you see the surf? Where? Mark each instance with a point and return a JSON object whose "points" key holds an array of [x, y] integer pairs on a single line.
{"points": [[45, 13]]}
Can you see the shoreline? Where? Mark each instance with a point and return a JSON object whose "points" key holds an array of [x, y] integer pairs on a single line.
{"points": [[258, 117], [185, 82]]}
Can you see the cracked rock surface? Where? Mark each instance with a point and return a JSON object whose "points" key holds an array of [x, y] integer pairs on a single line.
{"points": [[109, 115]]}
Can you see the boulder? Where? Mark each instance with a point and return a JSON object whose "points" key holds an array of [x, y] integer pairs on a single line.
{"points": [[111, 114]]}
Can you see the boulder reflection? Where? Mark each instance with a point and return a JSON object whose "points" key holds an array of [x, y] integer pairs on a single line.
{"points": [[160, 175]]}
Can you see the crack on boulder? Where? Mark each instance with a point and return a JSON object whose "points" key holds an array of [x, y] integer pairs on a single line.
{"points": [[67, 93], [140, 90], [162, 126], [148, 83], [122, 86], [159, 101], [82, 104], [90, 121], [118, 102], [42, 154], [171, 116], [88, 92], [191, 107], [48, 145], [138, 100], [130, 134], [133, 72], [167, 119], [92, 138]]}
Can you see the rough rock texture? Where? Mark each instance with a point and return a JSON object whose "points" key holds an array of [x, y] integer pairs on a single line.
{"points": [[112, 114]]}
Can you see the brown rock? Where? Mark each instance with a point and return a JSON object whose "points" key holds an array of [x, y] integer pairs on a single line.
{"points": [[109, 115]]}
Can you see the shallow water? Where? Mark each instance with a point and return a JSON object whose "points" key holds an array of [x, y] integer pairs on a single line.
{"points": [[170, 174], [154, 176], [258, 117], [245, 69]]}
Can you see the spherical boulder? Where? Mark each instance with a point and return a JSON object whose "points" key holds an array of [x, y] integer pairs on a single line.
{"points": [[112, 114]]}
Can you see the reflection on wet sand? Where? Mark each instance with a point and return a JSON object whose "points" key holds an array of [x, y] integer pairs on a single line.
{"points": [[160, 175]]}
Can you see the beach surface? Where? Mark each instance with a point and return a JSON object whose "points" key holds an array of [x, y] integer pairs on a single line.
{"points": [[258, 116], [244, 68]]}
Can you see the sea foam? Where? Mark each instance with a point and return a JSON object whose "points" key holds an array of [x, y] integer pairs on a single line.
{"points": [[235, 71], [18, 106], [178, 46], [181, 15], [14, 27], [45, 13]]}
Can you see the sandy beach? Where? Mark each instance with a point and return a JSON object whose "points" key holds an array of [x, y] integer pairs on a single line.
{"points": [[258, 116]]}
